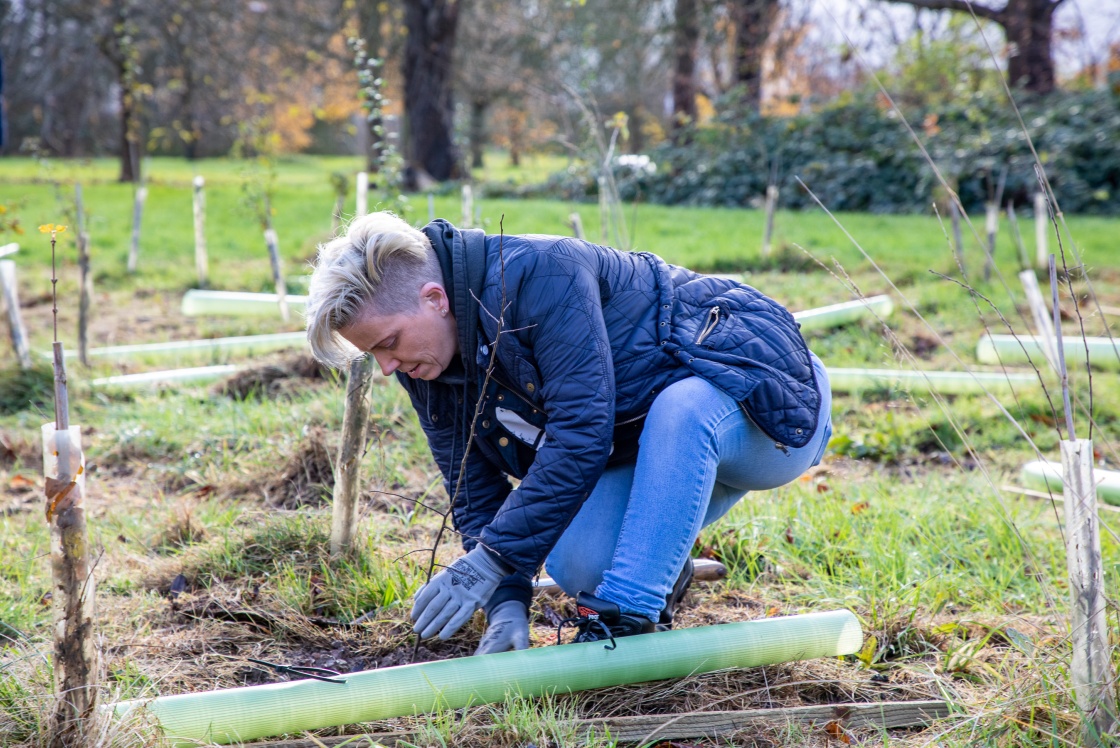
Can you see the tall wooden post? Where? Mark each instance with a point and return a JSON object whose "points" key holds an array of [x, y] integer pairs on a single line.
{"points": [[467, 206], [361, 198], [576, 223], [10, 291], [991, 224], [273, 243], [137, 216], [201, 261], [355, 421], [1013, 223], [85, 296], [1041, 229], [771, 205], [955, 223]]}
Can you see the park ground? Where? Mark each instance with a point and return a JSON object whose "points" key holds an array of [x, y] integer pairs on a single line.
{"points": [[209, 503]]}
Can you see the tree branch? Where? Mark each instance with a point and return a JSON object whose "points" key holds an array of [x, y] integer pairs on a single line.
{"points": [[964, 6]]}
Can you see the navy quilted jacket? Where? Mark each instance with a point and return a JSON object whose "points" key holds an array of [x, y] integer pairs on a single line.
{"points": [[582, 338]]}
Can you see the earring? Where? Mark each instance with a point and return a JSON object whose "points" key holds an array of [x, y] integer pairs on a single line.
{"points": [[443, 312]]}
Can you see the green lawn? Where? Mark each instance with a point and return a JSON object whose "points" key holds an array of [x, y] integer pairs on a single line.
{"points": [[960, 586]]}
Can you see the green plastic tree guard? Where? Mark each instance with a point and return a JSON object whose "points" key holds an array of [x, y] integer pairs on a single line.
{"points": [[835, 315], [237, 303], [1043, 475], [942, 382], [1012, 349], [252, 712]]}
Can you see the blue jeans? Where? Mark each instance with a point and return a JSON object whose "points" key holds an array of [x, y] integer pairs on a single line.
{"points": [[698, 455]]}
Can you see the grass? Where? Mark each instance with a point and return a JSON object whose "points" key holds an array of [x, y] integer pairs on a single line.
{"points": [[961, 588]]}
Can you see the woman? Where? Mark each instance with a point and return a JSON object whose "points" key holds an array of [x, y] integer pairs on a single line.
{"points": [[635, 401]]}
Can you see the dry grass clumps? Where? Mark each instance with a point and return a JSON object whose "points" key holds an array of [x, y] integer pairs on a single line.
{"points": [[274, 380]]}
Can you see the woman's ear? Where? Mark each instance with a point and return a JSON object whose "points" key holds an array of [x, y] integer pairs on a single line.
{"points": [[434, 293]]}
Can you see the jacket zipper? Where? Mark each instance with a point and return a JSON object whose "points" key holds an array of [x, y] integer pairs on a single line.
{"points": [[709, 325]]}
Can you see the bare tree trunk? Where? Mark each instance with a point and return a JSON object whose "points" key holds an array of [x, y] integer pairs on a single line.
{"points": [[753, 20], [428, 104], [686, 38], [478, 131], [1029, 27], [129, 148]]}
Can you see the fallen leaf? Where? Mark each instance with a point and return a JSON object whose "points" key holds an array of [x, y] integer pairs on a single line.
{"points": [[861, 507], [836, 730], [21, 481], [772, 611], [823, 488], [789, 534]]}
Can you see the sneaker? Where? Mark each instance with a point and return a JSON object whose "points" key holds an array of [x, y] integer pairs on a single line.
{"points": [[599, 620], [673, 599]]}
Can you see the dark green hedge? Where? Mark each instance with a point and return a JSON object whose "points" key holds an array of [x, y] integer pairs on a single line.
{"points": [[859, 156]]}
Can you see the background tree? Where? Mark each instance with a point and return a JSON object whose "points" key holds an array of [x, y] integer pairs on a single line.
{"points": [[1029, 28], [428, 99], [686, 40], [752, 20]]}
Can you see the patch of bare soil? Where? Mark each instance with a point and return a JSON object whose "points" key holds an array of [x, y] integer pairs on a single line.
{"points": [[307, 478], [275, 380]]}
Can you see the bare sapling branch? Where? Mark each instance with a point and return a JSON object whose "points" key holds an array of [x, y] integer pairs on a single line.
{"points": [[1063, 373]]}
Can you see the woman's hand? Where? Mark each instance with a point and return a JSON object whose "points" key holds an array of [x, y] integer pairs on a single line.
{"points": [[448, 601], [507, 629]]}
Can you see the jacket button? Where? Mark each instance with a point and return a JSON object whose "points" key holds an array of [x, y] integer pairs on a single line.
{"points": [[504, 442], [435, 416], [485, 424], [529, 386], [800, 430], [664, 306], [501, 397], [662, 324]]}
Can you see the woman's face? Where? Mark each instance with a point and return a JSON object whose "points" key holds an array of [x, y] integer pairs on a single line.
{"points": [[420, 344]]}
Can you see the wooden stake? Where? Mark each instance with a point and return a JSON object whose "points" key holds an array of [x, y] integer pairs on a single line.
{"points": [[344, 514], [1041, 314], [137, 215], [467, 206], [576, 223], [273, 243], [955, 222], [1091, 669], [991, 224], [1041, 229], [201, 261], [85, 297], [75, 657], [9, 288], [361, 198], [771, 205], [1013, 222]]}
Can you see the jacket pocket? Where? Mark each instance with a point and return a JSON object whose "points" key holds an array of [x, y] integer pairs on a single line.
{"points": [[715, 316]]}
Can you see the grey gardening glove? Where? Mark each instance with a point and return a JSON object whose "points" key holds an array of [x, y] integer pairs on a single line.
{"points": [[448, 601], [507, 628]]}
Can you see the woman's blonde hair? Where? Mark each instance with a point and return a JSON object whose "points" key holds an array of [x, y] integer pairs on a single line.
{"points": [[380, 263]]}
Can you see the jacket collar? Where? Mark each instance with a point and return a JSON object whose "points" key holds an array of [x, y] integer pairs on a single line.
{"points": [[462, 259]]}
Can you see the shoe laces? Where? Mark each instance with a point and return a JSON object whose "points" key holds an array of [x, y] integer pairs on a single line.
{"points": [[586, 622]]}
